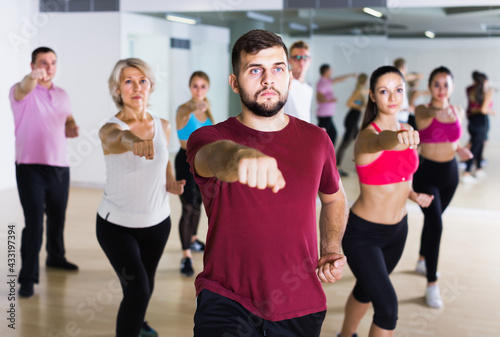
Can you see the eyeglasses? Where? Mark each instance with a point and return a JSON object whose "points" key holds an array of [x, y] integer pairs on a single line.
{"points": [[301, 57]]}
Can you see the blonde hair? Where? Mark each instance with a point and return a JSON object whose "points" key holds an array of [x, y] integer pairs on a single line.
{"points": [[114, 78]]}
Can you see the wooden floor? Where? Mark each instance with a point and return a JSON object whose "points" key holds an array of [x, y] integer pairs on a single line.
{"points": [[85, 303]]}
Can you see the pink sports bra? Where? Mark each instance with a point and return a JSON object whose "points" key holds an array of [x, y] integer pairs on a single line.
{"points": [[390, 167], [439, 132]]}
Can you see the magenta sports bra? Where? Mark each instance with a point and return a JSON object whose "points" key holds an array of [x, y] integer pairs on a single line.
{"points": [[439, 132], [390, 167]]}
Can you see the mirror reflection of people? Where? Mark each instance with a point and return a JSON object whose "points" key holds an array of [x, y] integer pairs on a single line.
{"points": [[406, 112], [191, 116], [386, 159], [301, 93], [326, 100], [133, 219], [440, 127], [43, 121], [356, 103], [262, 274], [479, 108]]}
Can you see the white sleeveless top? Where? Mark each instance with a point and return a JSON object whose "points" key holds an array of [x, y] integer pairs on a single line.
{"points": [[135, 194]]}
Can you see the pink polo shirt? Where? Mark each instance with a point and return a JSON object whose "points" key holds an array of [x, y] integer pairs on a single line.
{"points": [[40, 126], [326, 109]]}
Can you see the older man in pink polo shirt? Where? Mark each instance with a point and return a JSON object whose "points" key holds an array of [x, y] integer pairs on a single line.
{"points": [[43, 121]]}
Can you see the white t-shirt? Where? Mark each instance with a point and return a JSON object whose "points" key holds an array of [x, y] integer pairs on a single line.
{"points": [[299, 100]]}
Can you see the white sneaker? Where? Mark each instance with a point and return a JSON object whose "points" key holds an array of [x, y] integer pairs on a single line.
{"points": [[421, 268], [480, 174], [433, 297], [468, 179]]}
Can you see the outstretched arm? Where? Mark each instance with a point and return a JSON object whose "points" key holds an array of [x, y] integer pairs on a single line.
{"points": [[116, 140], [332, 223], [231, 162], [28, 83]]}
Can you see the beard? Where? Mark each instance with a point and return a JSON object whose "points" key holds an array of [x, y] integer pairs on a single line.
{"points": [[265, 109]]}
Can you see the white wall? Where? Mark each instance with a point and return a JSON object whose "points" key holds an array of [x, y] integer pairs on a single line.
{"points": [[87, 46], [17, 29], [209, 53]]}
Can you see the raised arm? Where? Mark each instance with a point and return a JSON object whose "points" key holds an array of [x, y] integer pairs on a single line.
{"points": [[231, 162], [28, 83], [343, 78], [332, 223], [115, 140], [369, 141]]}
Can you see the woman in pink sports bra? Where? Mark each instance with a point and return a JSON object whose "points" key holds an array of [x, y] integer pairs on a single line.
{"points": [[386, 158], [439, 124]]}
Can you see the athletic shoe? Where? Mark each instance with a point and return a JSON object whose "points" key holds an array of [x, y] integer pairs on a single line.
{"points": [[187, 267], [422, 269], [26, 290], [433, 297], [197, 246], [343, 173], [480, 174], [65, 265], [468, 179], [147, 331]]}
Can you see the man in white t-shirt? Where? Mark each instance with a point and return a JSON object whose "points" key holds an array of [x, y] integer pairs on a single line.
{"points": [[300, 94]]}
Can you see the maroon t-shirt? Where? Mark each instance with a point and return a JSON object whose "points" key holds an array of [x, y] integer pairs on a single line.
{"points": [[262, 248]]}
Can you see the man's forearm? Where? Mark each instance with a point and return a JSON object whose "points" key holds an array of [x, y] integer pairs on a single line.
{"points": [[220, 159], [332, 224]]}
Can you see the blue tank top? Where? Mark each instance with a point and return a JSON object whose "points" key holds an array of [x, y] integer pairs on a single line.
{"points": [[192, 125]]}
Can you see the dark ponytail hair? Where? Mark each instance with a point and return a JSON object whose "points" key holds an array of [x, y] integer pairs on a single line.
{"points": [[479, 79], [439, 70], [371, 108]]}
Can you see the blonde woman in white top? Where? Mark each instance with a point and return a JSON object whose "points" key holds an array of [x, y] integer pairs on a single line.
{"points": [[133, 219]]}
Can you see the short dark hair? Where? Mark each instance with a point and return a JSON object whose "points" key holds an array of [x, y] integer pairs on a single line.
{"points": [[323, 69], [399, 63], [253, 42], [299, 45], [40, 50]]}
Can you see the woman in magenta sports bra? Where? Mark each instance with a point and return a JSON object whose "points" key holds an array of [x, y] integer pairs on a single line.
{"points": [[386, 158], [480, 103], [439, 124], [191, 116]]}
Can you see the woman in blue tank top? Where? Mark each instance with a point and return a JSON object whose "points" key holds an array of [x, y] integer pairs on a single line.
{"points": [[191, 116]]}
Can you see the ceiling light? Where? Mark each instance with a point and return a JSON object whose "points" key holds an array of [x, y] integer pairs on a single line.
{"points": [[181, 19], [373, 12], [297, 26], [260, 17], [429, 34]]}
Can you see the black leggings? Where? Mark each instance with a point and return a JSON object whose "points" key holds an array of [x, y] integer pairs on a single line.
{"points": [[478, 129], [439, 180], [327, 123], [373, 251], [134, 254], [351, 131], [190, 199]]}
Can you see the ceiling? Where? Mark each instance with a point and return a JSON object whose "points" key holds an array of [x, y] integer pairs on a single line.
{"points": [[395, 23]]}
